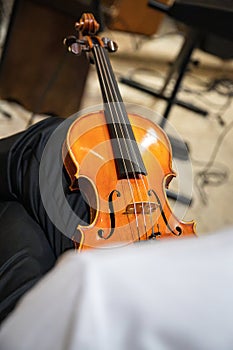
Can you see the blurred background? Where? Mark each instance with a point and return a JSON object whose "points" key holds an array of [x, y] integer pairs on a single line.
{"points": [[175, 59]]}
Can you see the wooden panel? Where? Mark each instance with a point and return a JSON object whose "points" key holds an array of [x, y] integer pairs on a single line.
{"points": [[132, 16], [36, 68]]}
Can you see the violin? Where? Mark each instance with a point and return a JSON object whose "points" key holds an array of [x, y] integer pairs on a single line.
{"points": [[121, 162]]}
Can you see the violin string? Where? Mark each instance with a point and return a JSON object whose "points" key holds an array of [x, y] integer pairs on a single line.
{"points": [[122, 112], [145, 188], [117, 105], [113, 106], [99, 61]]}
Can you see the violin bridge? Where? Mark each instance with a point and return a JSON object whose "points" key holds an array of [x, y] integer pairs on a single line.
{"points": [[141, 208]]}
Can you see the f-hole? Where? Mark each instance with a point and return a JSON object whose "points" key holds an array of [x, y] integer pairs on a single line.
{"points": [[111, 214]]}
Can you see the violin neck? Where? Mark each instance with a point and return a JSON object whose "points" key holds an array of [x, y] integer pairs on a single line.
{"points": [[108, 84], [126, 152]]}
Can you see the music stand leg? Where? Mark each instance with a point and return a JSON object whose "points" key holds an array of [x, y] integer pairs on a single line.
{"points": [[182, 62], [179, 67]]}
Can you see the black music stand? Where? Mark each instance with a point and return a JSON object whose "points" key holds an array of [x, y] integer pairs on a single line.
{"points": [[194, 14], [178, 68]]}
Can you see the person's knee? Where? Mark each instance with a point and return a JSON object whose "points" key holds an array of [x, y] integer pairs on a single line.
{"points": [[25, 254]]}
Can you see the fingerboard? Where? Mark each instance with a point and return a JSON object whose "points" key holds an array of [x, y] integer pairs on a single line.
{"points": [[127, 155]]}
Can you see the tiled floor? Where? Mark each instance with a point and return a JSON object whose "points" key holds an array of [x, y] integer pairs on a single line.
{"points": [[207, 177]]}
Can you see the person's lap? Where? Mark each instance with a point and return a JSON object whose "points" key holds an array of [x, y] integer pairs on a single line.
{"points": [[29, 241], [25, 254]]}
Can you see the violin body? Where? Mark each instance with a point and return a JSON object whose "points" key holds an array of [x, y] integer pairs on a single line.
{"points": [[121, 163], [123, 211]]}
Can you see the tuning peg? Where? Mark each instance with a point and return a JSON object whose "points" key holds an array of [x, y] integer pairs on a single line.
{"points": [[110, 45], [73, 45]]}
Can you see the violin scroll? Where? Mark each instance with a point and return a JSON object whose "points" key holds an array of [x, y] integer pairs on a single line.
{"points": [[87, 24]]}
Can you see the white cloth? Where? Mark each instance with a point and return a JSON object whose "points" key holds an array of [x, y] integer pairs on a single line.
{"points": [[165, 295]]}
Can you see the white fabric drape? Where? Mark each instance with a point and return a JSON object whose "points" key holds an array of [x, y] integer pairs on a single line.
{"points": [[164, 295]]}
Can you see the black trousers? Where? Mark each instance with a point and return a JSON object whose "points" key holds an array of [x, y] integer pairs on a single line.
{"points": [[30, 241]]}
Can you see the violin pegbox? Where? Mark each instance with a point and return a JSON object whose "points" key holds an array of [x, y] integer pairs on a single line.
{"points": [[87, 27]]}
